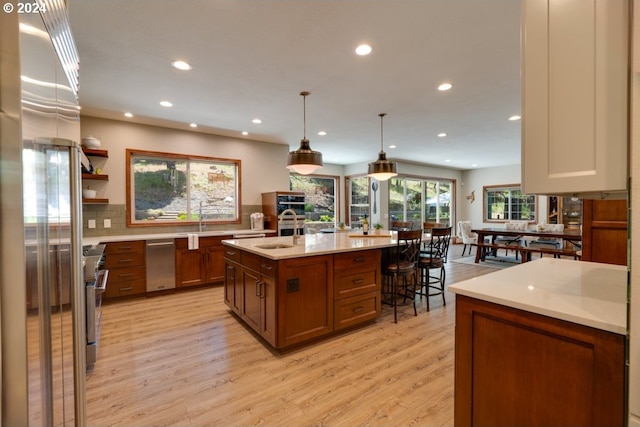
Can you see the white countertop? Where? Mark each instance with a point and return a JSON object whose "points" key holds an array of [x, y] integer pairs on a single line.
{"points": [[313, 244], [94, 240], [586, 293]]}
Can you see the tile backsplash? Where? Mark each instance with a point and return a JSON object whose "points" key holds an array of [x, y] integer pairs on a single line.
{"points": [[116, 214]]}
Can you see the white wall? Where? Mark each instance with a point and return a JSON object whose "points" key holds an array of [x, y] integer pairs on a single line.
{"points": [[475, 179]]}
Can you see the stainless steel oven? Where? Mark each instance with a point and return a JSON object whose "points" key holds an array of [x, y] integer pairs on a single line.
{"points": [[95, 280], [275, 203]]}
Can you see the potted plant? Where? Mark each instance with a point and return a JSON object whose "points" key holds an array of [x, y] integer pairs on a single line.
{"points": [[341, 226], [378, 227]]}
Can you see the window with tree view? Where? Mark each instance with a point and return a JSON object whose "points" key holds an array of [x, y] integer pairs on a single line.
{"points": [[507, 202], [172, 188], [320, 197], [420, 200]]}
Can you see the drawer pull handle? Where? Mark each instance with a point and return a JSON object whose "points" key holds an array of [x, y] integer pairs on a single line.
{"points": [[358, 309], [128, 288], [125, 260], [231, 253], [266, 266], [358, 281], [359, 259], [126, 275]]}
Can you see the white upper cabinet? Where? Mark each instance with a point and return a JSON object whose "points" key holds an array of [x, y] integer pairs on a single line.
{"points": [[575, 96]]}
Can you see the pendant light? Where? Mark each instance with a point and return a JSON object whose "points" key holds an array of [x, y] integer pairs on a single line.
{"points": [[382, 169], [304, 160]]}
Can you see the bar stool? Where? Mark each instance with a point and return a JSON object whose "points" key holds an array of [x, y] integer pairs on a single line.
{"points": [[404, 264], [434, 258]]}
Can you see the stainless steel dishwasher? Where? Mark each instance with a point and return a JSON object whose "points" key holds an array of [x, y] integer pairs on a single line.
{"points": [[161, 264]]}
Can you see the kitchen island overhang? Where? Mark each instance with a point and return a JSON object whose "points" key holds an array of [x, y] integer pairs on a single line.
{"points": [[293, 295]]}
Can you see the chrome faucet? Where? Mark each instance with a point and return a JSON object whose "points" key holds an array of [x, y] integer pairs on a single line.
{"points": [[295, 223]]}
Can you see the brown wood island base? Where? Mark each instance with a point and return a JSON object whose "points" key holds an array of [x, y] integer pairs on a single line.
{"points": [[513, 367], [295, 301]]}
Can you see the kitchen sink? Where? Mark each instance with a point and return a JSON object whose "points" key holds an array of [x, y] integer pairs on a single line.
{"points": [[274, 246]]}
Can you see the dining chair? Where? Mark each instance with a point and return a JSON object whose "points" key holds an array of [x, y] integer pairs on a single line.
{"points": [[465, 234], [433, 285], [404, 263], [401, 225]]}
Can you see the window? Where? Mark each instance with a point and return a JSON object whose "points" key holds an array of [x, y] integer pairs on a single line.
{"points": [[46, 185], [420, 200], [506, 202], [358, 202], [166, 189], [320, 196]]}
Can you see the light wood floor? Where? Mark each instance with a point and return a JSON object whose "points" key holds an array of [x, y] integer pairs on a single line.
{"points": [[184, 360]]}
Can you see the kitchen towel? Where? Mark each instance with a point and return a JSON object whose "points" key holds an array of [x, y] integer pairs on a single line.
{"points": [[193, 241]]}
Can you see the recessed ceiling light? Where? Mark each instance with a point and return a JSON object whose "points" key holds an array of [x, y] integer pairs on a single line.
{"points": [[129, 115], [245, 133], [256, 121], [474, 165], [516, 117], [166, 104], [392, 146], [442, 134], [193, 125], [322, 133], [363, 49], [181, 65], [445, 86], [448, 161]]}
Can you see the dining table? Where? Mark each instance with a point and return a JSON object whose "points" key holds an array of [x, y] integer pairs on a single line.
{"points": [[489, 235]]}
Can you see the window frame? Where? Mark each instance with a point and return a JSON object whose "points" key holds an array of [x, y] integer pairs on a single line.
{"points": [[348, 183], [336, 195], [508, 187], [131, 154], [424, 182]]}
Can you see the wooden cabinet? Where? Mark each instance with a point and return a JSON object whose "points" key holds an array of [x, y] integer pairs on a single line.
{"points": [[304, 299], [357, 282], [574, 96], [518, 368], [233, 288], [200, 266], [297, 300], [94, 176], [257, 276], [604, 231], [126, 262]]}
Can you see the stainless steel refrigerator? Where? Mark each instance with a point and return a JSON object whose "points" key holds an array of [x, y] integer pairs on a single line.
{"points": [[42, 305]]}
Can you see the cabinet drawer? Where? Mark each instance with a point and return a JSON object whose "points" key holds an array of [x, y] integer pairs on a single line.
{"points": [[357, 260], [119, 260], [347, 285], [268, 267], [124, 247], [357, 309], [232, 254], [132, 287], [119, 275]]}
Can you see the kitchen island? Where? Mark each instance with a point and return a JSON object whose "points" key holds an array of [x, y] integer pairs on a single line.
{"points": [[542, 343], [293, 294]]}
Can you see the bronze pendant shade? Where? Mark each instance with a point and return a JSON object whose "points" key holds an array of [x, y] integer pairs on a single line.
{"points": [[382, 169], [304, 160]]}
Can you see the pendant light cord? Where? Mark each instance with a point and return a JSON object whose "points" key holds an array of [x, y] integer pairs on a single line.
{"points": [[304, 114], [381, 132]]}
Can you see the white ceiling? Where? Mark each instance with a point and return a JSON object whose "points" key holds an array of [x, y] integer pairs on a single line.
{"points": [[252, 58]]}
